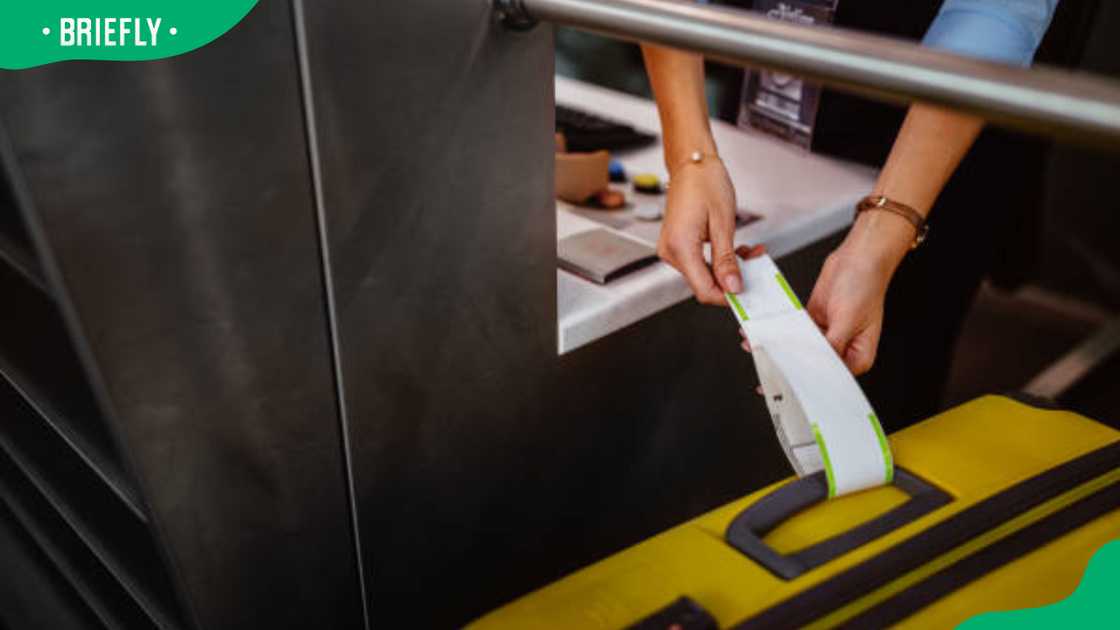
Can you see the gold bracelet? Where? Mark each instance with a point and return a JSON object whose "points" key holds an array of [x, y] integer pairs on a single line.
{"points": [[915, 218], [696, 157]]}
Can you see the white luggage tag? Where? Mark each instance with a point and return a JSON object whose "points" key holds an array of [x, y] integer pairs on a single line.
{"points": [[821, 416]]}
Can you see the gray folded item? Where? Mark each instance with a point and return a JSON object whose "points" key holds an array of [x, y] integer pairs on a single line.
{"points": [[601, 255]]}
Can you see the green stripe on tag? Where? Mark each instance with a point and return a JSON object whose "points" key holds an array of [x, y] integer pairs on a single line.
{"points": [[827, 461], [789, 292], [888, 461], [737, 306]]}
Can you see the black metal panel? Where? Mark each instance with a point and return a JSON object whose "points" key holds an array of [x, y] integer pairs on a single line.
{"points": [[15, 244], [38, 360], [40, 597], [436, 148], [175, 196], [485, 465], [119, 540], [52, 537]]}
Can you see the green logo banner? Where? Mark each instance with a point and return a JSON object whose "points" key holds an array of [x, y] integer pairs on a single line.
{"points": [[37, 32], [1092, 605]]}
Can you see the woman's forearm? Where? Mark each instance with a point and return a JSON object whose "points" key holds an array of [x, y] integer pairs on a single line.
{"points": [[678, 84], [929, 147], [847, 301], [700, 206]]}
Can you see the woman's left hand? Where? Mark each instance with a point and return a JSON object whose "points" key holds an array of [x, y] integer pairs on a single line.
{"points": [[847, 301]]}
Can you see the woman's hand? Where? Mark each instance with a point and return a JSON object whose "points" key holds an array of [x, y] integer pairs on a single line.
{"points": [[700, 208], [847, 301], [701, 202], [847, 304]]}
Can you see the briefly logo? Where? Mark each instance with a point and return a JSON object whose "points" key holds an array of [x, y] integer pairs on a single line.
{"points": [[38, 32], [110, 31]]}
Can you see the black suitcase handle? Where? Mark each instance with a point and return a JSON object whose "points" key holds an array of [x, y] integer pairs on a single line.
{"points": [[761, 517]]}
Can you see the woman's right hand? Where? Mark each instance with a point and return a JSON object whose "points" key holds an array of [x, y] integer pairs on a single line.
{"points": [[701, 208]]}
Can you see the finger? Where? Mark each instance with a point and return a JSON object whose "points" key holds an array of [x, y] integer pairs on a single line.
{"points": [[758, 390], [746, 343], [746, 252], [690, 262], [839, 334], [818, 314], [816, 307], [818, 299], [860, 354], [725, 267]]}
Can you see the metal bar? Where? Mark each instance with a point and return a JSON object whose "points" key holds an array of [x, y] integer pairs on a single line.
{"points": [[1039, 100], [315, 160]]}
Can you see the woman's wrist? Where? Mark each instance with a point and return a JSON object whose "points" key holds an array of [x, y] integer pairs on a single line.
{"points": [[880, 239], [680, 149]]}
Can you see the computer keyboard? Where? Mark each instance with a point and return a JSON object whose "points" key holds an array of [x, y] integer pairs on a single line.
{"points": [[589, 132]]}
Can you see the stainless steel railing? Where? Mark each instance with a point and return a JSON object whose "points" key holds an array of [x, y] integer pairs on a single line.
{"points": [[1040, 100]]}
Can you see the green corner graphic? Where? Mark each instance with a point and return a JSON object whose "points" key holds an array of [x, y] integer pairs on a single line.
{"points": [[38, 32], [1092, 605]]}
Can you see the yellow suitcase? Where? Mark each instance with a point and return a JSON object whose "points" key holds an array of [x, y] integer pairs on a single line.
{"points": [[996, 505]]}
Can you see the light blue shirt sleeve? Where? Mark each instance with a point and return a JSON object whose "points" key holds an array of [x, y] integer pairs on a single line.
{"points": [[1007, 31]]}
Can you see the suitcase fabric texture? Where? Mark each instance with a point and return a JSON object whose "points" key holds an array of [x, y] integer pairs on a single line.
{"points": [[996, 505]]}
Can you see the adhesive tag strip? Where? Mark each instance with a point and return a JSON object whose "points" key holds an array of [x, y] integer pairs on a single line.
{"points": [[820, 414]]}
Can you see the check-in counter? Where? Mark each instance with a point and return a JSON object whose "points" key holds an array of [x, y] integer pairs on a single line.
{"points": [[801, 198]]}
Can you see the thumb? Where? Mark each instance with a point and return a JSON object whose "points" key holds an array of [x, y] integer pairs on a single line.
{"points": [[839, 334], [860, 353], [725, 265]]}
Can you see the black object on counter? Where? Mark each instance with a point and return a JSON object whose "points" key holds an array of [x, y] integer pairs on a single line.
{"points": [[587, 132]]}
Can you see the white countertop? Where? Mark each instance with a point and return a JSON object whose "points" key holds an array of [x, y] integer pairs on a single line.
{"points": [[801, 197]]}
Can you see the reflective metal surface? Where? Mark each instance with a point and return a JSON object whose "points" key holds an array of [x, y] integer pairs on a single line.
{"points": [[39, 598], [435, 147], [1040, 100], [211, 254], [484, 464], [172, 202]]}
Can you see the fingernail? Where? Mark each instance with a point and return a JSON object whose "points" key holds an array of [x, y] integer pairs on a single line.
{"points": [[733, 283]]}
